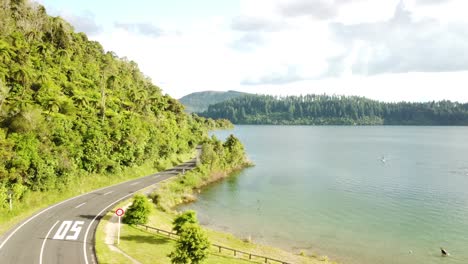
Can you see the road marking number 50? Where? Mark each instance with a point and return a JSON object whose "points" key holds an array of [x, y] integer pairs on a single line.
{"points": [[72, 227]]}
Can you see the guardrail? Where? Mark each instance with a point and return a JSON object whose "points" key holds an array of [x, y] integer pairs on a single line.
{"points": [[219, 247]]}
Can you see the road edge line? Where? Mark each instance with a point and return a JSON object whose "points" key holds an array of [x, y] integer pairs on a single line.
{"points": [[45, 240]]}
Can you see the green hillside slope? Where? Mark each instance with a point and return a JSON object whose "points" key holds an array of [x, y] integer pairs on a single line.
{"points": [[69, 109]]}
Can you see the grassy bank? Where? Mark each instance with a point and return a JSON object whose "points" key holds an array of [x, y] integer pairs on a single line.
{"points": [[34, 201], [183, 189], [217, 161], [148, 247]]}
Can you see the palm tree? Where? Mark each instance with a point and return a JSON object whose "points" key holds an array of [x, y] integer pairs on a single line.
{"points": [[62, 56], [43, 77], [53, 104], [81, 100], [19, 105], [5, 51], [42, 49], [32, 35], [23, 76]]}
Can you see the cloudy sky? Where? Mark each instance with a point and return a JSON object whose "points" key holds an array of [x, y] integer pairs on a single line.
{"points": [[391, 50]]}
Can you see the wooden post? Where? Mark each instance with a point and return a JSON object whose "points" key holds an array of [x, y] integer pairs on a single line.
{"points": [[219, 249], [250, 256], [235, 252], [10, 198]]}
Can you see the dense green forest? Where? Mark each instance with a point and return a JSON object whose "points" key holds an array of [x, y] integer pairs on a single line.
{"points": [[199, 101], [69, 109], [336, 110]]}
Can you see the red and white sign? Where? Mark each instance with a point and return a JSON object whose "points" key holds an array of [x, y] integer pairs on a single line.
{"points": [[119, 212]]}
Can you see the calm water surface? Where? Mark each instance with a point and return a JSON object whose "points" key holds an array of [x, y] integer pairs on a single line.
{"points": [[357, 194]]}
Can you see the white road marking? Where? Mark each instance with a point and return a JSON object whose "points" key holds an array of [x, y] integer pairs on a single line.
{"points": [[135, 183], [44, 242], [94, 219], [78, 206], [108, 193], [63, 230], [43, 211], [69, 226], [76, 229]]}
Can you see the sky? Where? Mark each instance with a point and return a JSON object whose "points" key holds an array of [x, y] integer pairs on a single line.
{"points": [[389, 50]]}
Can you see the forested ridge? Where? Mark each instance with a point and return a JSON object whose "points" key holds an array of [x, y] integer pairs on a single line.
{"points": [[69, 109], [336, 110]]}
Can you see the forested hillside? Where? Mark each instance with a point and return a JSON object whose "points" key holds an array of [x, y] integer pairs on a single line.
{"points": [[336, 110], [199, 101], [69, 109]]}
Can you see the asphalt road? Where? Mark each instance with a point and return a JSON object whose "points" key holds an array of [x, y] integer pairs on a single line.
{"points": [[65, 232]]}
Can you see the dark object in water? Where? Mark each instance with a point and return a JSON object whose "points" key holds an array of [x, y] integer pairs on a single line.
{"points": [[444, 252]]}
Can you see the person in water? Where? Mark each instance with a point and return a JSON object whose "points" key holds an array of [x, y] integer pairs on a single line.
{"points": [[444, 252]]}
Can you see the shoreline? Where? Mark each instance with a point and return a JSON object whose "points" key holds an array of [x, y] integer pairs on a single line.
{"points": [[163, 220], [215, 177]]}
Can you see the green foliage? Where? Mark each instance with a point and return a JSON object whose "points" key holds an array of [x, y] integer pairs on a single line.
{"points": [[336, 110], [187, 217], [218, 160], [235, 153], [139, 211], [192, 246], [68, 109]]}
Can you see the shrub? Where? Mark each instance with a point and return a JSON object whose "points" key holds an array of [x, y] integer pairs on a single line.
{"points": [[192, 246], [138, 212], [187, 217]]}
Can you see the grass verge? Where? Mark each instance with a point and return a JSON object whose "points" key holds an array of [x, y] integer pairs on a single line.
{"points": [[149, 247]]}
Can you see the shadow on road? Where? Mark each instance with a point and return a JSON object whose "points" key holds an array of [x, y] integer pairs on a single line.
{"points": [[90, 217]]}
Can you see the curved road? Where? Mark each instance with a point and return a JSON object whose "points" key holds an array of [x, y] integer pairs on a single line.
{"points": [[64, 232]]}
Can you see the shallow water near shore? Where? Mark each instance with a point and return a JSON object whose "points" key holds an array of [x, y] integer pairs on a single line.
{"points": [[357, 194]]}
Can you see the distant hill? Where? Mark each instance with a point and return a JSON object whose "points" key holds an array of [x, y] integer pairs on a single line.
{"points": [[199, 102]]}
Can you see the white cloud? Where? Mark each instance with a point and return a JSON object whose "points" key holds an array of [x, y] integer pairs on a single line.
{"points": [[402, 45], [262, 50]]}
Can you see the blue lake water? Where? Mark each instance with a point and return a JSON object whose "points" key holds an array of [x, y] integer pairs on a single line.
{"points": [[357, 194]]}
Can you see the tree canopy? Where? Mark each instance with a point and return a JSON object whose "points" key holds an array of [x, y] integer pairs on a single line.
{"points": [[336, 110], [69, 109], [193, 244]]}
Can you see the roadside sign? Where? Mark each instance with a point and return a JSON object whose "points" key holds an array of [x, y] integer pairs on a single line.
{"points": [[119, 212]]}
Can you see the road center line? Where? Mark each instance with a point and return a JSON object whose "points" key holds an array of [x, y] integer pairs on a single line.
{"points": [[78, 206], [44, 242], [43, 211], [135, 183], [108, 193]]}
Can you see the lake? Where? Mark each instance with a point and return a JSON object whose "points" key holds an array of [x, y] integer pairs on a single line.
{"points": [[362, 195]]}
